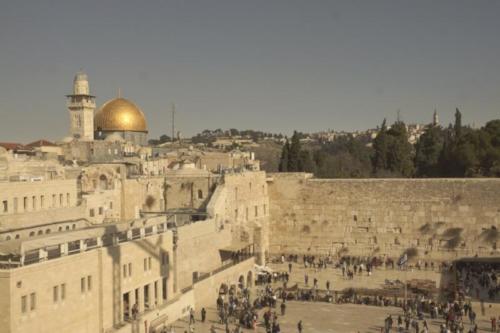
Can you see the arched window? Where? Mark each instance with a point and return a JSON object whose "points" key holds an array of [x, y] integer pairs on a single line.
{"points": [[103, 182], [17, 236], [40, 232], [47, 231], [200, 194], [32, 234], [8, 237]]}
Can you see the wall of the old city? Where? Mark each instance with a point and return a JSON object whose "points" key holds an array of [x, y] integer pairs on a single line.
{"points": [[443, 218]]}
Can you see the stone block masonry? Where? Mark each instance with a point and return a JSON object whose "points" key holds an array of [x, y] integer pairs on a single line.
{"points": [[442, 218]]}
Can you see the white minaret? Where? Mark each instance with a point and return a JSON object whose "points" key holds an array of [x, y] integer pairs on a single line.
{"points": [[435, 118], [81, 106]]}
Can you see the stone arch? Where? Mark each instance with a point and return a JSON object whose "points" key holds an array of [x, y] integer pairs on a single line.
{"points": [[249, 279], [224, 289], [47, 231], [32, 234], [103, 182], [200, 194], [7, 237], [40, 232]]}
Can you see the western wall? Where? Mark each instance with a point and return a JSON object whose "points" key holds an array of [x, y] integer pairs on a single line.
{"points": [[441, 218]]}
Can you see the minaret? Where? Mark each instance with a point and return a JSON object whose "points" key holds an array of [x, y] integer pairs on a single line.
{"points": [[435, 118], [81, 106]]}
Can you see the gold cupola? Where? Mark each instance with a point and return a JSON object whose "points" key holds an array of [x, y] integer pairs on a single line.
{"points": [[120, 114]]}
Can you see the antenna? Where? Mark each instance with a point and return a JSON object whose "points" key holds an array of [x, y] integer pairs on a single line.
{"points": [[173, 122]]}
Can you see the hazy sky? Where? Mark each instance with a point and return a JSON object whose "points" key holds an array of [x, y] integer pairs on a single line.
{"points": [[270, 65]]}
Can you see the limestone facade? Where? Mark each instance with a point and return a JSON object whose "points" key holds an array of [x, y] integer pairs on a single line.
{"points": [[442, 218]]}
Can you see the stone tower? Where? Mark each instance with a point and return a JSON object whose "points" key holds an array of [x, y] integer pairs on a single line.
{"points": [[435, 118], [81, 106]]}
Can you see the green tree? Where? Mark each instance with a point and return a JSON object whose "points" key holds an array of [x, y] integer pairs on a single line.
{"points": [[381, 149], [428, 151], [294, 153], [283, 166], [400, 154]]}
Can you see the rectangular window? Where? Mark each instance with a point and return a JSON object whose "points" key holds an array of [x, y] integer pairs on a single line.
{"points": [[101, 210], [42, 201], [149, 263], [265, 209], [125, 271], [61, 200], [82, 285], [24, 304], [91, 212], [130, 269], [32, 301], [53, 200], [256, 211], [15, 205], [5, 206], [111, 205], [68, 199], [89, 283], [145, 264], [25, 203], [63, 291], [33, 202], [55, 294]]}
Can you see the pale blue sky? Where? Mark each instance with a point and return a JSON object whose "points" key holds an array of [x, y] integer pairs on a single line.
{"points": [[260, 64]]}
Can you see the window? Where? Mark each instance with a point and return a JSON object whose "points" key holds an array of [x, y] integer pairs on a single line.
{"points": [[42, 201], [82, 285], [111, 205], [145, 264], [32, 234], [89, 283], [250, 186], [25, 203], [265, 209], [7, 237], [53, 200], [129, 269], [63, 291], [246, 213], [149, 263], [24, 304], [125, 271], [32, 301], [15, 205], [256, 211], [67, 199], [101, 210], [55, 294], [200, 194], [164, 258], [5, 206], [33, 202], [61, 200], [40, 232], [91, 212]]}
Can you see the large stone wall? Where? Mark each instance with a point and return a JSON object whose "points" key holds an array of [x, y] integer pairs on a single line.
{"points": [[442, 218]]}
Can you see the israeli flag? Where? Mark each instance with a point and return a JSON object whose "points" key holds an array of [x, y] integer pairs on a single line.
{"points": [[402, 260]]}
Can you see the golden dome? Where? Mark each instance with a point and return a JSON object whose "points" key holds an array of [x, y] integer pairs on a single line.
{"points": [[120, 114]]}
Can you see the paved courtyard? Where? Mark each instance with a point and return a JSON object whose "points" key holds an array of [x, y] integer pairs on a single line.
{"points": [[322, 318]]}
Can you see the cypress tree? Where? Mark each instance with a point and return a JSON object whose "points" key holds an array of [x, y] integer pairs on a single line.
{"points": [[283, 166]]}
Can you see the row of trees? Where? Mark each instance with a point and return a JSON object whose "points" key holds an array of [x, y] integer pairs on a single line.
{"points": [[455, 151]]}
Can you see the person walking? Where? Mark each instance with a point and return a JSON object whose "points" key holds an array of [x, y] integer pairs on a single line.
{"points": [[283, 308], [191, 316], [299, 326]]}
